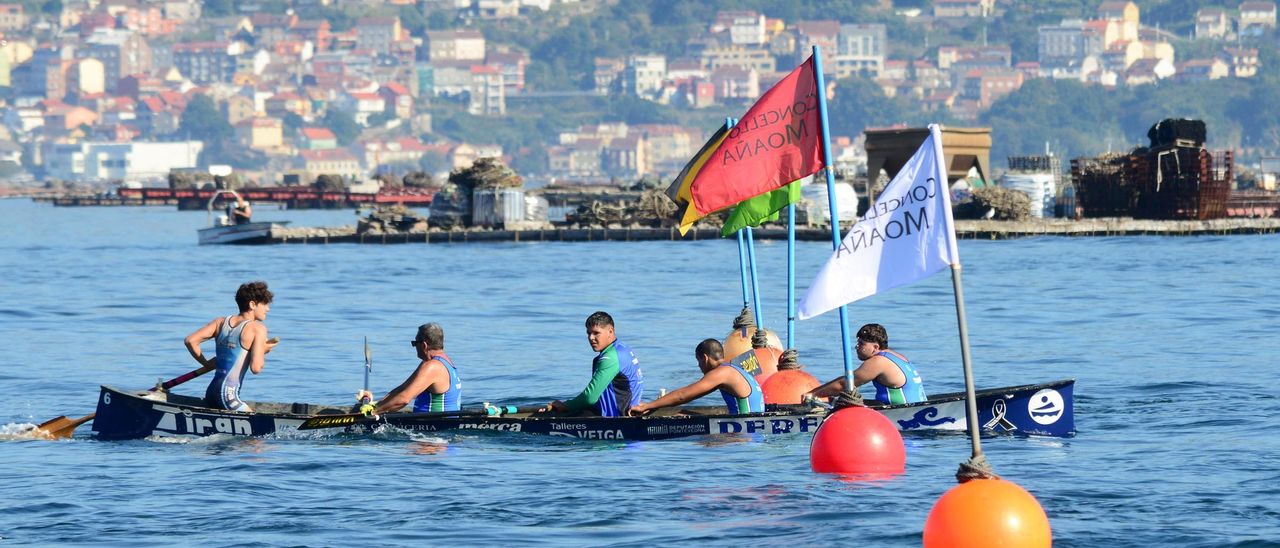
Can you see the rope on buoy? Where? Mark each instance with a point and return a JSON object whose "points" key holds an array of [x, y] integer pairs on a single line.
{"points": [[760, 339], [848, 398], [976, 467], [744, 319], [789, 360]]}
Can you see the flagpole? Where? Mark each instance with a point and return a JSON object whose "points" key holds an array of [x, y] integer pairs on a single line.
{"points": [[971, 400], [755, 279], [742, 245], [742, 269], [831, 202], [791, 275]]}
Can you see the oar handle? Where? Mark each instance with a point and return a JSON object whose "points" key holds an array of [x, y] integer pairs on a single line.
{"points": [[186, 377]]}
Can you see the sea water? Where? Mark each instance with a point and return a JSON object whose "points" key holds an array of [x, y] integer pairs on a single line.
{"points": [[1173, 343]]}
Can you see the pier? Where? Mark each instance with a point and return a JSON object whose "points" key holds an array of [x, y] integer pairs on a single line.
{"points": [[965, 230]]}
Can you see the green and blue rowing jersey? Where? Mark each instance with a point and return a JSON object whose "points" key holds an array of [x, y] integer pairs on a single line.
{"points": [[911, 391], [616, 382], [752, 403], [450, 400]]}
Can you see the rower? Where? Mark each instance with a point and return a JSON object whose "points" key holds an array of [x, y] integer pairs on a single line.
{"points": [[616, 380], [433, 386], [242, 345], [740, 391], [895, 378]]}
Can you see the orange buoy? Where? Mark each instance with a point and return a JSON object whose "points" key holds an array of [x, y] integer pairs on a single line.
{"points": [[987, 512], [739, 340], [787, 386], [857, 441]]}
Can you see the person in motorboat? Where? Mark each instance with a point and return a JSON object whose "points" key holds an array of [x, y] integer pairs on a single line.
{"points": [[243, 213], [893, 375], [740, 390], [616, 380], [433, 386], [241, 345]]}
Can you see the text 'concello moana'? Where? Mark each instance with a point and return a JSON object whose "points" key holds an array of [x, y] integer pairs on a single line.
{"points": [[898, 226], [781, 127]]}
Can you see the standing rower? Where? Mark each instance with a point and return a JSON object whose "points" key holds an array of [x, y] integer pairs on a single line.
{"points": [[740, 391], [242, 345]]}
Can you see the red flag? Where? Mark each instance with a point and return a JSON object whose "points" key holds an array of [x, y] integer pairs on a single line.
{"points": [[776, 142]]}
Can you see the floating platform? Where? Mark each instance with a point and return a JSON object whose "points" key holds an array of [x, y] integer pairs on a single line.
{"points": [[985, 230]]}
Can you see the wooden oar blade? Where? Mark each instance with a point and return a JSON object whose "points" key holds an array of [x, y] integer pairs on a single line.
{"points": [[61, 427]]}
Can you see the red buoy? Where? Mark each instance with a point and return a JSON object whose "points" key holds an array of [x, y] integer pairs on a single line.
{"points": [[857, 441], [787, 386], [987, 513]]}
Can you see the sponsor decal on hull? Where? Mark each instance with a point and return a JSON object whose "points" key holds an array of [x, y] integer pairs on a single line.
{"points": [[780, 425], [1046, 406], [199, 424], [591, 434], [504, 427]]}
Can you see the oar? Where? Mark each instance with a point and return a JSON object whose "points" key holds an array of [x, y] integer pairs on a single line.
{"points": [[367, 396], [63, 427], [354, 419]]}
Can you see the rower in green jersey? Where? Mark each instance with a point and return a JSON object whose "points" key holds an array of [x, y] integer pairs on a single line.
{"points": [[616, 380], [741, 392]]}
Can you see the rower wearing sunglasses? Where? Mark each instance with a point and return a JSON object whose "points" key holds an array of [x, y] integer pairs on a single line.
{"points": [[433, 386]]}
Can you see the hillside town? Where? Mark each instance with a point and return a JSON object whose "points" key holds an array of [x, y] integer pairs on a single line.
{"points": [[127, 91]]}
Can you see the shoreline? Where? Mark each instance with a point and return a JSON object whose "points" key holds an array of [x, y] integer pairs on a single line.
{"points": [[965, 229]]}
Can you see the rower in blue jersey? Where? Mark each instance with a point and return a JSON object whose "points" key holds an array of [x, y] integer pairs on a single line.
{"points": [[616, 379], [434, 384], [241, 346], [740, 391], [894, 377]]}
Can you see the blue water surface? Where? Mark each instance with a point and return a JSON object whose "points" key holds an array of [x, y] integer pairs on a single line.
{"points": [[1172, 341]]}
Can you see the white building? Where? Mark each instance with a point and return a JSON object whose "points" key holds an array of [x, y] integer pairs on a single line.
{"points": [[860, 49], [645, 73], [104, 161], [455, 45]]}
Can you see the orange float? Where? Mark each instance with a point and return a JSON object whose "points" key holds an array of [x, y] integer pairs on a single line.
{"points": [[739, 341], [987, 513], [787, 386]]}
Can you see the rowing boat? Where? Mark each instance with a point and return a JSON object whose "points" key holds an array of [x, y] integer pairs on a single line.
{"points": [[1039, 409]]}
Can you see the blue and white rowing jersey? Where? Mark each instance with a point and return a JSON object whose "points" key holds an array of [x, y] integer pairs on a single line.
{"points": [[224, 390]]}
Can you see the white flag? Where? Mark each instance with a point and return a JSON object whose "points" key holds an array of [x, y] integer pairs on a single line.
{"points": [[906, 235]]}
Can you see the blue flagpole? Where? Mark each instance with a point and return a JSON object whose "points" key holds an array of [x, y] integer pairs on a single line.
{"points": [[791, 276], [742, 245], [742, 269], [831, 202], [755, 279]]}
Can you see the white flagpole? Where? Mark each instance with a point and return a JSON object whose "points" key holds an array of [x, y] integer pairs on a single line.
{"points": [[791, 275], [971, 400], [831, 202]]}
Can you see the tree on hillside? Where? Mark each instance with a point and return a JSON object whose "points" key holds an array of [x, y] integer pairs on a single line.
{"points": [[343, 126], [204, 122], [1073, 118]]}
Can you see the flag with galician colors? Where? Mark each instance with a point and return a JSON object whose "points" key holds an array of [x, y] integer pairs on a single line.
{"points": [[778, 140], [906, 235]]}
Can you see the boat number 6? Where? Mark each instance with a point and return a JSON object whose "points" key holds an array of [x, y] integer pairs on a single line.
{"points": [[106, 398]]}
